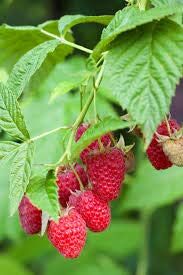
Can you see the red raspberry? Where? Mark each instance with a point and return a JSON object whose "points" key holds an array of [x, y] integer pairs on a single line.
{"points": [[94, 211], [105, 139], [155, 150], [30, 216], [106, 171], [67, 182], [68, 235]]}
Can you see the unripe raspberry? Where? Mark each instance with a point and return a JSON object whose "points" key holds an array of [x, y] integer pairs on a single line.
{"points": [[30, 216], [93, 210], [67, 181], [173, 149], [106, 171], [105, 139], [68, 235], [155, 150]]}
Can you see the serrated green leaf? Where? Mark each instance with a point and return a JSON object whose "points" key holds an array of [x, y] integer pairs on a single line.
{"points": [[11, 119], [157, 3], [43, 193], [28, 65], [94, 132], [68, 21], [20, 174], [142, 71], [177, 238], [7, 148], [128, 19], [150, 189]]}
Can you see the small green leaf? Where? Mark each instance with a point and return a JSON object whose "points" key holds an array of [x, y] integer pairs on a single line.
{"points": [[68, 21], [7, 148], [28, 65], [129, 18], [20, 174], [94, 132], [177, 241], [11, 119], [142, 72], [43, 193]]}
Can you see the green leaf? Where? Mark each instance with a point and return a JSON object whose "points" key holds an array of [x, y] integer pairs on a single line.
{"points": [[72, 73], [128, 19], [94, 132], [20, 174], [43, 193], [11, 119], [68, 21], [7, 148], [157, 3], [150, 189], [113, 241], [11, 266], [142, 71], [28, 65], [177, 240]]}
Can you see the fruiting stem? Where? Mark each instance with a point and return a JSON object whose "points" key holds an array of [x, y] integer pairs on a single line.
{"points": [[78, 178], [142, 266], [81, 117], [49, 132], [66, 42]]}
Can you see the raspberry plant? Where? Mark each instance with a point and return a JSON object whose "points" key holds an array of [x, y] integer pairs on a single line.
{"points": [[136, 64]]}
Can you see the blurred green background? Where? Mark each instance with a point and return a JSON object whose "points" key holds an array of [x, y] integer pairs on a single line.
{"points": [[146, 234]]}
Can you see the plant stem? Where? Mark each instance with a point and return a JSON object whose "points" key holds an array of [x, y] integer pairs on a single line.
{"points": [[142, 4], [49, 132], [66, 42], [142, 267]]}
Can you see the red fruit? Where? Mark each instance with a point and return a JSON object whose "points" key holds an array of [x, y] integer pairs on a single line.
{"points": [[67, 181], [106, 171], [95, 212], [68, 235], [30, 216], [105, 139], [155, 150]]}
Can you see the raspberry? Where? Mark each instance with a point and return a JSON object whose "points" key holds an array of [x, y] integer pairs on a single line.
{"points": [[155, 152], [173, 149], [68, 235], [105, 139], [106, 171], [67, 181], [94, 211], [30, 216]]}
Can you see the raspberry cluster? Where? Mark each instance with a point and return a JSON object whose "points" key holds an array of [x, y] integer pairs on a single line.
{"points": [[84, 193]]}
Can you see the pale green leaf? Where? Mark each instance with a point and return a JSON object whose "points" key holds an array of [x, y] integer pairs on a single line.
{"points": [[68, 21], [28, 65], [7, 148], [43, 193], [114, 242], [177, 240], [142, 71], [149, 188], [128, 19], [94, 132], [11, 266], [20, 174], [11, 119]]}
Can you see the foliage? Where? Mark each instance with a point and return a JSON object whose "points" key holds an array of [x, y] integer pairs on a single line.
{"points": [[44, 96]]}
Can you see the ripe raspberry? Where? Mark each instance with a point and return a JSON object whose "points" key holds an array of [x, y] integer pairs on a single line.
{"points": [[68, 235], [173, 149], [94, 211], [105, 139], [67, 181], [106, 171], [30, 216], [155, 150]]}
